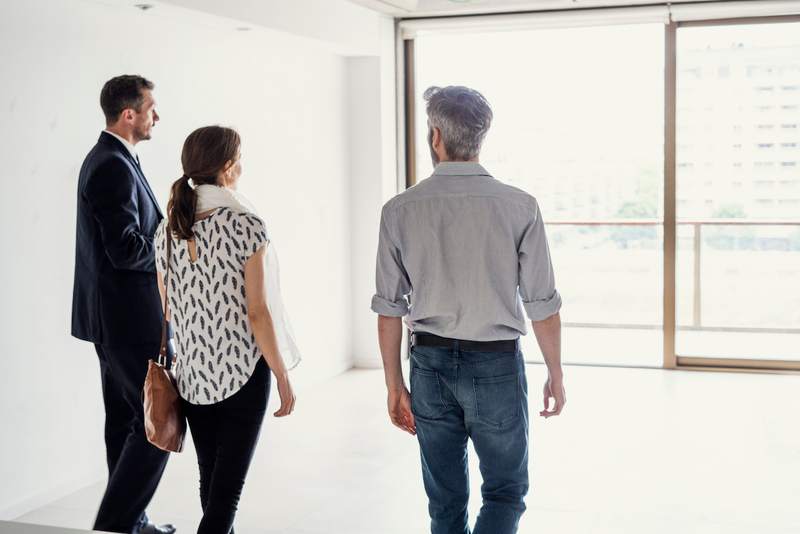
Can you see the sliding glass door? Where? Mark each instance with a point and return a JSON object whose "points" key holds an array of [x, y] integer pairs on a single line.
{"points": [[738, 194]]}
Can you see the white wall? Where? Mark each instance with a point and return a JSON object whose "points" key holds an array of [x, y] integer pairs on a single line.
{"points": [[373, 181], [365, 190], [287, 96]]}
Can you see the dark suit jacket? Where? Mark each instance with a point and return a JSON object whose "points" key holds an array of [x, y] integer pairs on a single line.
{"points": [[115, 298]]}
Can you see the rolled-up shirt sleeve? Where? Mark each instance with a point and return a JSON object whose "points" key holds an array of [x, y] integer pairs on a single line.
{"points": [[392, 285], [537, 285]]}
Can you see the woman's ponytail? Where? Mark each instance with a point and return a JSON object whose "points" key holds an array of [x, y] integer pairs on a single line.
{"points": [[180, 208]]}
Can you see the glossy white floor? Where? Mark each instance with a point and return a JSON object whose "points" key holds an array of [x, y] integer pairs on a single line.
{"points": [[636, 451]]}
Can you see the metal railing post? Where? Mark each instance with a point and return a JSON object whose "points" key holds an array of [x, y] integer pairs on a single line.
{"points": [[697, 288]]}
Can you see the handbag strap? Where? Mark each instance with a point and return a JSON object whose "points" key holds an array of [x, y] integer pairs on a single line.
{"points": [[162, 353]]}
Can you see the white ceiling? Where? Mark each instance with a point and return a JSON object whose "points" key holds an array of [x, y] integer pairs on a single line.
{"points": [[429, 8]]}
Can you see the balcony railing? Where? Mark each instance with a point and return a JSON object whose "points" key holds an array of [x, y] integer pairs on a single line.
{"points": [[697, 294]]}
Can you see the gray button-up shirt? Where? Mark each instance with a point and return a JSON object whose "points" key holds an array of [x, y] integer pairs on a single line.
{"points": [[462, 253]]}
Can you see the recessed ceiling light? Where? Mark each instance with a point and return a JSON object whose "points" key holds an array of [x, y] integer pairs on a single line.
{"points": [[144, 7]]}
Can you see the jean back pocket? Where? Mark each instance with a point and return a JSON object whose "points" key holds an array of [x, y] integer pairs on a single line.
{"points": [[497, 399], [427, 401]]}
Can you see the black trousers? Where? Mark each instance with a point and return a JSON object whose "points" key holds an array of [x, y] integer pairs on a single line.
{"points": [[225, 436], [134, 465]]}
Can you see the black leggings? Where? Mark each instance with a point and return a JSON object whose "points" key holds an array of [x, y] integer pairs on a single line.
{"points": [[225, 436]]}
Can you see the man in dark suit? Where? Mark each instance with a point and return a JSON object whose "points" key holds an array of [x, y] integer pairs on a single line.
{"points": [[115, 303]]}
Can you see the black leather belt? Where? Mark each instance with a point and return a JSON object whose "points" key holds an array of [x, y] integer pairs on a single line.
{"points": [[431, 340]]}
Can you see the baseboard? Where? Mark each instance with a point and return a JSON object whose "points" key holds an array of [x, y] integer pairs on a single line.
{"points": [[368, 363], [43, 498]]}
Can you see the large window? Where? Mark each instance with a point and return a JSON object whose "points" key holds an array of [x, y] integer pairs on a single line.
{"points": [[578, 124], [738, 191], [581, 116]]}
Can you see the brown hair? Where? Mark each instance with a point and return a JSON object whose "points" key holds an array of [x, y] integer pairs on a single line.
{"points": [[121, 93], [205, 154]]}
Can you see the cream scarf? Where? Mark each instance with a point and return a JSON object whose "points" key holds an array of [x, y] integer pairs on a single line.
{"points": [[211, 197]]}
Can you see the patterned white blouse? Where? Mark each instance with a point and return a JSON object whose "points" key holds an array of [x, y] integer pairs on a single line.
{"points": [[216, 349]]}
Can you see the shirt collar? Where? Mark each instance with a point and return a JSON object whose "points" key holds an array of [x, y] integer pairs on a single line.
{"points": [[126, 144], [460, 168]]}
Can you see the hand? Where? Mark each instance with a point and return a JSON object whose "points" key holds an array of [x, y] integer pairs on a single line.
{"points": [[287, 397], [554, 388], [399, 403]]}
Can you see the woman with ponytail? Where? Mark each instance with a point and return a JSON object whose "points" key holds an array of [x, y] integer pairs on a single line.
{"points": [[230, 327]]}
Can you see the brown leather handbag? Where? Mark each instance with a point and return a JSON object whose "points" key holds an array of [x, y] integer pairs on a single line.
{"points": [[164, 422]]}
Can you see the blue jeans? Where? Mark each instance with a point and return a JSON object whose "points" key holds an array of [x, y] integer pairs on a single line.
{"points": [[456, 395]]}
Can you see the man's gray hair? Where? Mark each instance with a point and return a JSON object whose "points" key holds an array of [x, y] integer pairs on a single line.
{"points": [[462, 115]]}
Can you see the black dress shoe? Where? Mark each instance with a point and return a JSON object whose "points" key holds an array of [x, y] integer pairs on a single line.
{"points": [[152, 528]]}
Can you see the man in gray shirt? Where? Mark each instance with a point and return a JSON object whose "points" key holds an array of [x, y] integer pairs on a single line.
{"points": [[461, 254]]}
